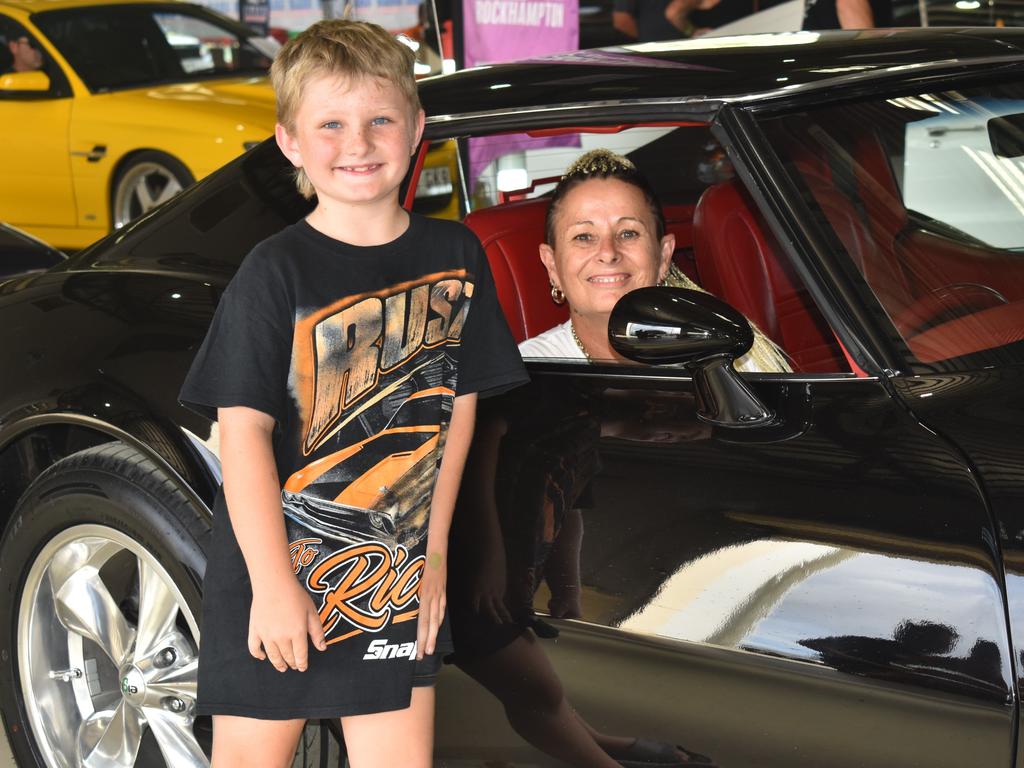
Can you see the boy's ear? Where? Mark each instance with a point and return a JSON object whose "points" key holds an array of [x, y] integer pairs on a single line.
{"points": [[288, 145], [421, 119]]}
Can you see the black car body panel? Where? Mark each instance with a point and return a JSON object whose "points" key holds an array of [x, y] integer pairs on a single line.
{"points": [[772, 65]]}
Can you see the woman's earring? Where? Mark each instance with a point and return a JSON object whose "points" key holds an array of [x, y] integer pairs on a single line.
{"points": [[556, 295]]}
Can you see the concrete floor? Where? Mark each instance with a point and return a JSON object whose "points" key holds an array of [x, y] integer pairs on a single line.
{"points": [[6, 758]]}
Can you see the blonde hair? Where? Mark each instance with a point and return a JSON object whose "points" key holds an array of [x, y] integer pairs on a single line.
{"points": [[338, 47]]}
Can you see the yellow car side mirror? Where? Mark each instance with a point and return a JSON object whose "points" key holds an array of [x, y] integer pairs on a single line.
{"points": [[25, 81]]}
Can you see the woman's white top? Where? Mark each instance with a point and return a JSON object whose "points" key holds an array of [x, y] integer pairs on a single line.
{"points": [[556, 342]]}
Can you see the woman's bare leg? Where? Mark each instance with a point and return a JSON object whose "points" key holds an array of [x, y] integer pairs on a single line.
{"points": [[562, 569], [246, 742], [523, 680], [403, 738]]}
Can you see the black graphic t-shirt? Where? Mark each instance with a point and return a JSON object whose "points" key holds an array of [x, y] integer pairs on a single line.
{"points": [[358, 354]]}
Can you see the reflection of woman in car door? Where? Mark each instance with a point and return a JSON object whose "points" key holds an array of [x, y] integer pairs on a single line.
{"points": [[518, 523]]}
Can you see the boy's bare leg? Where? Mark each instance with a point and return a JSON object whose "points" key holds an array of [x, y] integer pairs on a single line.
{"points": [[400, 739], [246, 742]]}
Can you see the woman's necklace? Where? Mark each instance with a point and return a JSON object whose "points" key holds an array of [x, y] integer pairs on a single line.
{"points": [[572, 327]]}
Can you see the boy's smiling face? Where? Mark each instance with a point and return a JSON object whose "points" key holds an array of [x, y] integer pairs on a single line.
{"points": [[353, 138]]}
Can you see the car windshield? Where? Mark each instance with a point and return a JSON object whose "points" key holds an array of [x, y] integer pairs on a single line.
{"points": [[925, 192], [129, 46]]}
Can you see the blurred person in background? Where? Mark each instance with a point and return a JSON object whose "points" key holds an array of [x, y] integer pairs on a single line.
{"points": [[21, 53], [649, 21], [26, 56], [847, 14]]}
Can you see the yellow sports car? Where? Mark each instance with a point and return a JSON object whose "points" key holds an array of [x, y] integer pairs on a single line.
{"points": [[108, 108]]}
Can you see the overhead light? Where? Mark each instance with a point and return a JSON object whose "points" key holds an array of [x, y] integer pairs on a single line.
{"points": [[968, 5]]}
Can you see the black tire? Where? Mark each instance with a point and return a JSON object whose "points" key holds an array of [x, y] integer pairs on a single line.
{"points": [[144, 181], [124, 497]]}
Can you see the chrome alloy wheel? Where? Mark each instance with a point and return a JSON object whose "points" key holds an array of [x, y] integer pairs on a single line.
{"points": [[143, 187], [107, 651]]}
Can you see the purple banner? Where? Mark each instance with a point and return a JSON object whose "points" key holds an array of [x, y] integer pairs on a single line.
{"points": [[504, 30]]}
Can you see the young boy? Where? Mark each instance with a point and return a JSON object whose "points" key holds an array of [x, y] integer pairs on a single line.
{"points": [[345, 359]]}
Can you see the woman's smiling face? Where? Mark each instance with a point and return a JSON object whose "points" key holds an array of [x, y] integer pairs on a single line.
{"points": [[606, 245]]}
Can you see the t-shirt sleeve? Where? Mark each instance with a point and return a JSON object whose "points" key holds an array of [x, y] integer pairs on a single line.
{"points": [[245, 357], [625, 6], [489, 361]]}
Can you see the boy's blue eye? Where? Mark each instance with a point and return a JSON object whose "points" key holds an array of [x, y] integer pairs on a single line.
{"points": [[331, 124], [381, 120]]}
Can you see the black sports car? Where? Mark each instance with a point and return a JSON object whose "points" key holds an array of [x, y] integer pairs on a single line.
{"points": [[837, 581]]}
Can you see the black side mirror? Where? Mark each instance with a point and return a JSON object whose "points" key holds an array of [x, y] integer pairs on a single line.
{"points": [[662, 326]]}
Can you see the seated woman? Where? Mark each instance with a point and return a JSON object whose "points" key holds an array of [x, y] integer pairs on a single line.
{"points": [[605, 236]]}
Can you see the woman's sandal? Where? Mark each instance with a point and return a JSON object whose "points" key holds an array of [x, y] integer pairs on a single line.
{"points": [[647, 753]]}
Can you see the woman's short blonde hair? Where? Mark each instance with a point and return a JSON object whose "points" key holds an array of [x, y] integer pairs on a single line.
{"points": [[338, 48]]}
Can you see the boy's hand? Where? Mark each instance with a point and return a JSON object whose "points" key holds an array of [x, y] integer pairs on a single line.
{"points": [[282, 616], [432, 603]]}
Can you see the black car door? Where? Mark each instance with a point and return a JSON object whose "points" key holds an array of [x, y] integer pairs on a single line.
{"points": [[821, 591]]}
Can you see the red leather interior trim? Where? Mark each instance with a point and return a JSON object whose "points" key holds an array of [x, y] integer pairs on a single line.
{"points": [[410, 193], [857, 370], [566, 130]]}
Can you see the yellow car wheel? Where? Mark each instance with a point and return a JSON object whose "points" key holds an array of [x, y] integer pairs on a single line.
{"points": [[145, 181]]}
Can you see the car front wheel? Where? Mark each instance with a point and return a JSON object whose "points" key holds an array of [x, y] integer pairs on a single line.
{"points": [[99, 604]]}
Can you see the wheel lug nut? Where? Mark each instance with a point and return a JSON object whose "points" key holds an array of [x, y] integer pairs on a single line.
{"points": [[165, 658], [174, 704]]}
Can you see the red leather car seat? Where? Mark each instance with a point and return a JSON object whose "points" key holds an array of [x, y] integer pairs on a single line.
{"points": [[738, 263], [866, 212], [510, 234]]}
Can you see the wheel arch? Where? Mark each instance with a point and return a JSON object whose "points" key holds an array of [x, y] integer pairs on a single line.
{"points": [[39, 441]]}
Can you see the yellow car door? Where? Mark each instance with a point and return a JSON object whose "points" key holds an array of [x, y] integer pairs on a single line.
{"points": [[37, 193]]}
